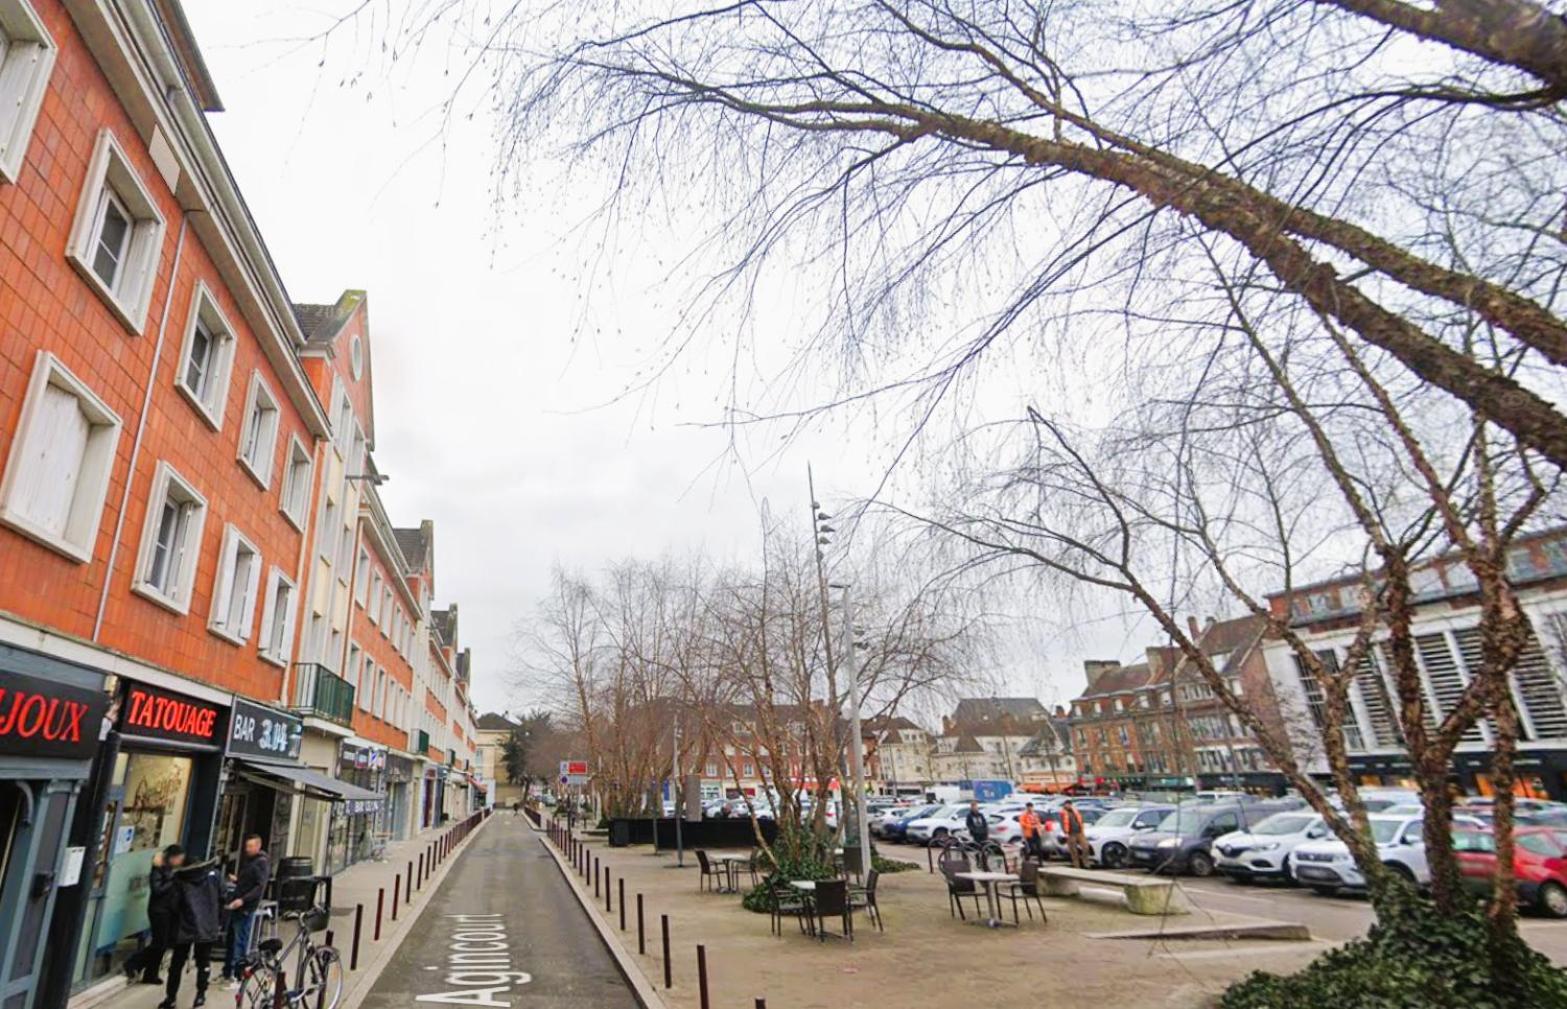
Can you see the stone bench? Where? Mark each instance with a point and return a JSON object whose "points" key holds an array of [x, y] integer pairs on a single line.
{"points": [[1144, 894]]}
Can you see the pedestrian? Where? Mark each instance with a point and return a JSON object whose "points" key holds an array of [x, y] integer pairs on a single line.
{"points": [[1072, 830], [1028, 821], [161, 916], [250, 883], [976, 823], [199, 928]]}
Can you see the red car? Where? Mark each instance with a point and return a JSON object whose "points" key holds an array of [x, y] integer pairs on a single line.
{"points": [[1539, 862]]}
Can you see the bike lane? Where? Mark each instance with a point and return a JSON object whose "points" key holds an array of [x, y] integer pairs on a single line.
{"points": [[503, 930]]}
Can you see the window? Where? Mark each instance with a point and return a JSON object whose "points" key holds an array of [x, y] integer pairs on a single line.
{"points": [[374, 611], [345, 551], [26, 57], [362, 578], [344, 415], [57, 475], [259, 436], [234, 592], [386, 609], [328, 532], [712, 768], [170, 540], [277, 619], [356, 357], [367, 685], [297, 472], [118, 234], [351, 674], [206, 358]]}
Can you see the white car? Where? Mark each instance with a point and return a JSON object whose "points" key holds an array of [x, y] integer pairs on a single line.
{"points": [[1266, 850], [1005, 828], [1326, 866], [1109, 837], [949, 822]]}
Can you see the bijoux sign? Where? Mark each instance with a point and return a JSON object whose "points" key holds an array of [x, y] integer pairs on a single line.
{"points": [[42, 718], [164, 715]]}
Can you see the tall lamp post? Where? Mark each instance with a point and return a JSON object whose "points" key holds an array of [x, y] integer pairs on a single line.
{"points": [[849, 663]]}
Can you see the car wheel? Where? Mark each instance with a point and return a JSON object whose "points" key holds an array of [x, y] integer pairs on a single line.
{"points": [[1200, 863], [1324, 891], [1402, 871], [1553, 899], [1113, 856]]}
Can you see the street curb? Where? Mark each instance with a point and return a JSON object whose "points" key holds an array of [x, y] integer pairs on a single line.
{"points": [[355, 990], [1288, 931], [641, 988]]}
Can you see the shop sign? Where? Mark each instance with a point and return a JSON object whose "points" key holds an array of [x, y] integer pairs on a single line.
{"points": [[42, 718], [364, 758], [259, 731], [163, 714], [361, 807]]}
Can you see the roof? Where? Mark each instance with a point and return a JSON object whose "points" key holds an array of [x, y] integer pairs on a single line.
{"points": [[1231, 638], [413, 544], [494, 722], [192, 64], [887, 723], [968, 744], [1119, 681], [321, 323], [982, 709], [1040, 743]]}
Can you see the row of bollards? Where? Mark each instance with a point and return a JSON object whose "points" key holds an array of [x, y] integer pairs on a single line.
{"points": [[587, 865], [404, 883]]}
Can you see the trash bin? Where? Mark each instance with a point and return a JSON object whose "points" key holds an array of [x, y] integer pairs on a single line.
{"points": [[619, 833]]}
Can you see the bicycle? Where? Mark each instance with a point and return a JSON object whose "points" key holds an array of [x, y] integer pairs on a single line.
{"points": [[318, 977]]}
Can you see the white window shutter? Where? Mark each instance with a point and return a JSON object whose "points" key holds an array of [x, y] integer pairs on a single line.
{"points": [[248, 617], [269, 610], [48, 475], [223, 585]]}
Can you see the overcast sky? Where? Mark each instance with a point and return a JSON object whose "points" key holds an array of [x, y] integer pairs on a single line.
{"points": [[491, 372]]}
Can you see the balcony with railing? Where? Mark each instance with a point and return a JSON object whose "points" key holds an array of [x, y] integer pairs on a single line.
{"points": [[321, 693]]}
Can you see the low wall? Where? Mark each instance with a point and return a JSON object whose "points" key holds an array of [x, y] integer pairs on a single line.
{"points": [[710, 833]]}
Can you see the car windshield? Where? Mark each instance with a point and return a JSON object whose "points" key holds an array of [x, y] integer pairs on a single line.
{"points": [[1385, 830], [1284, 823], [1183, 821], [1118, 818]]}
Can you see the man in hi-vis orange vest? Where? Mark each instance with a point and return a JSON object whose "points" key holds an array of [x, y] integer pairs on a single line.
{"points": [[1072, 830]]}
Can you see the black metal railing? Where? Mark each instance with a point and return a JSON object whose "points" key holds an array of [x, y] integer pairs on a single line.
{"points": [[320, 692]]}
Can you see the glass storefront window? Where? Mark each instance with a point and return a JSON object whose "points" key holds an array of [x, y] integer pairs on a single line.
{"points": [[149, 816]]}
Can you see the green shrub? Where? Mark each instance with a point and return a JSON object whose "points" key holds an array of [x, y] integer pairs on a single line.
{"points": [[799, 853], [887, 866], [1414, 958]]}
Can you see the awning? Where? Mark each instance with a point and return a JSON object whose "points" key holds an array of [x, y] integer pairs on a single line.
{"points": [[308, 780]]}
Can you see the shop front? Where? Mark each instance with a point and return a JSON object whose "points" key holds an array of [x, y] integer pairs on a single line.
{"points": [[51, 718], [258, 795], [358, 829], [400, 782], [162, 774]]}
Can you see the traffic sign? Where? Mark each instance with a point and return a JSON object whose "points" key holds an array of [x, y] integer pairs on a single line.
{"points": [[573, 767]]}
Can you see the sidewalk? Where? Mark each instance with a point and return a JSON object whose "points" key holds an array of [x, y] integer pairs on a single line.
{"points": [[923, 956], [355, 887]]}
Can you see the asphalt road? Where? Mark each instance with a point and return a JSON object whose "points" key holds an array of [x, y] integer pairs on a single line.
{"points": [[502, 930], [1342, 917]]}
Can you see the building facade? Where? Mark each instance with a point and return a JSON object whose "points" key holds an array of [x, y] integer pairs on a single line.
{"points": [[1446, 640], [186, 482]]}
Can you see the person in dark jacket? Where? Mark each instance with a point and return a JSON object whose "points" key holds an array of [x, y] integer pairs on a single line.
{"points": [[199, 928], [250, 884], [978, 825], [161, 915]]}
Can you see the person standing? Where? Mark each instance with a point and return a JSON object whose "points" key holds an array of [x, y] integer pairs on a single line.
{"points": [[1072, 830], [1028, 822], [250, 884], [162, 915], [199, 928], [977, 824]]}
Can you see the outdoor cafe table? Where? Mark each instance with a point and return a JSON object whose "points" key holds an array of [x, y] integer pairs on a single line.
{"points": [[990, 881], [732, 864]]}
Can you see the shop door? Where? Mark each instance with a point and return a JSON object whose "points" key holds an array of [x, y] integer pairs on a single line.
{"points": [[96, 882], [33, 819]]}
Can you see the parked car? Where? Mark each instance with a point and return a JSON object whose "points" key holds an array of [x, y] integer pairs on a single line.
{"points": [[1054, 843], [1326, 866], [1110, 836], [1184, 839], [938, 826], [1539, 865], [1265, 850], [895, 830], [880, 818]]}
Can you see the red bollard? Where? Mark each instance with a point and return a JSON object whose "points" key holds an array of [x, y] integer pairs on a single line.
{"points": [[380, 902], [397, 888], [663, 921], [622, 903], [641, 939], [607, 908], [359, 922], [595, 877], [701, 974], [421, 870], [408, 894]]}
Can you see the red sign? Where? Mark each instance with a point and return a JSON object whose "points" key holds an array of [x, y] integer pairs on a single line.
{"points": [[576, 767], [150, 712], [43, 718]]}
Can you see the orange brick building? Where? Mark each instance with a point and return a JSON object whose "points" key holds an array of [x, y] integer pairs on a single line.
{"points": [[186, 494]]}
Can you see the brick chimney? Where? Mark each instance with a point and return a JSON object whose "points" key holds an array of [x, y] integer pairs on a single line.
{"points": [[1094, 669]]}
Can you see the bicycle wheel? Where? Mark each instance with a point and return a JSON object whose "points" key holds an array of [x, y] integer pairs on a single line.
{"points": [[258, 987], [324, 981]]}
